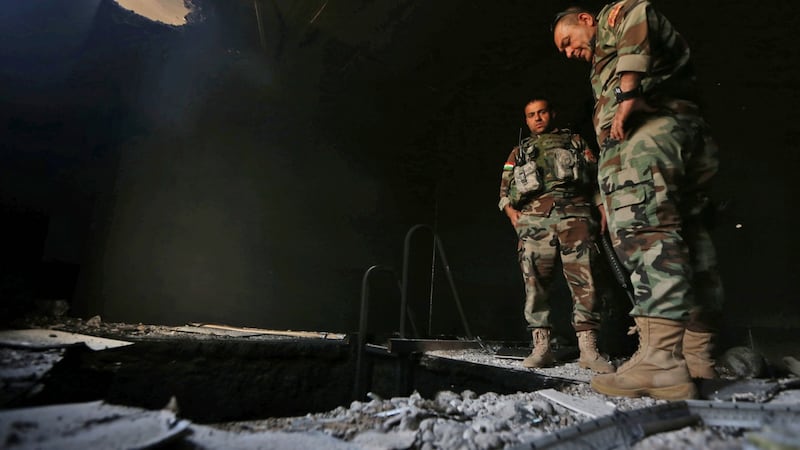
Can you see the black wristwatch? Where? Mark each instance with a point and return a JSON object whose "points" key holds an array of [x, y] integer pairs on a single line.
{"points": [[622, 96]]}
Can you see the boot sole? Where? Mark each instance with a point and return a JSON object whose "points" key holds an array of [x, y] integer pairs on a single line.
{"points": [[683, 391], [589, 366], [542, 365]]}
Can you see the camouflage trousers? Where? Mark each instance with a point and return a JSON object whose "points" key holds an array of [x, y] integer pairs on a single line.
{"points": [[541, 241], [655, 186]]}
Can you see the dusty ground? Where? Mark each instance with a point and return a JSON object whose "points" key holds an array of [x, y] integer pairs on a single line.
{"points": [[448, 420]]}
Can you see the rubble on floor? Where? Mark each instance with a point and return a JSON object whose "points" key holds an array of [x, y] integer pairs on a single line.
{"points": [[449, 420]]}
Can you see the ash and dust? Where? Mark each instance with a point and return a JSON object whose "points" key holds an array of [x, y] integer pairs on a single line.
{"points": [[448, 420]]}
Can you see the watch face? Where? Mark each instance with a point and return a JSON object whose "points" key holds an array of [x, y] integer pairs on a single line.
{"points": [[618, 94]]}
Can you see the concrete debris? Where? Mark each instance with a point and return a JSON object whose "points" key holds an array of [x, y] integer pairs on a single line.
{"points": [[792, 364], [79, 426], [209, 438], [378, 440], [776, 438], [589, 408], [95, 326], [741, 362], [747, 390], [94, 322], [449, 420], [22, 369], [692, 438], [43, 339], [787, 397]]}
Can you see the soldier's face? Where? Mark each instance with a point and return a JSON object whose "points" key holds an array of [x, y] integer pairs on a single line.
{"points": [[574, 39], [538, 116]]}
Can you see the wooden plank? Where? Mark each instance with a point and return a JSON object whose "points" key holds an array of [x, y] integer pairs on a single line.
{"points": [[587, 407], [307, 334], [405, 346], [216, 331]]}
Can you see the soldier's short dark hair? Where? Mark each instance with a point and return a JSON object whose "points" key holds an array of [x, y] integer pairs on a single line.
{"points": [[538, 97], [569, 13]]}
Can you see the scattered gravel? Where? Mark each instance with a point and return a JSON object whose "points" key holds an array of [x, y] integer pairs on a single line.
{"points": [[450, 420], [469, 421]]}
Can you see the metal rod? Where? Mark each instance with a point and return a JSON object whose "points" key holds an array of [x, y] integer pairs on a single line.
{"points": [[452, 286], [404, 284], [445, 264], [358, 388], [430, 290], [261, 36]]}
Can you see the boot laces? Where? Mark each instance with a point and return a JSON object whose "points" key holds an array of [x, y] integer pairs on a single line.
{"points": [[541, 343], [632, 360], [589, 339]]}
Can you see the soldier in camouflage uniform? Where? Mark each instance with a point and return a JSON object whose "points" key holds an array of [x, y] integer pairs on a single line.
{"points": [[656, 163], [548, 192]]}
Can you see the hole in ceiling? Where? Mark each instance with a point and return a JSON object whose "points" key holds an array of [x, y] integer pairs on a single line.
{"points": [[170, 12]]}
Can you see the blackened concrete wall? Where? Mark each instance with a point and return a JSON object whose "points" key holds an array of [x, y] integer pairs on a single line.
{"points": [[214, 173]]}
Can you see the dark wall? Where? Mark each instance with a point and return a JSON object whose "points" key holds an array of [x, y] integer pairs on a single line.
{"points": [[219, 172]]}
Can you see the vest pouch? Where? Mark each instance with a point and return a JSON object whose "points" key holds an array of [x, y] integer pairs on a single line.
{"points": [[565, 164], [513, 194], [526, 178]]}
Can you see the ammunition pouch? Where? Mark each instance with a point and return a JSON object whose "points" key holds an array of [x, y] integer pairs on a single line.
{"points": [[515, 197], [565, 165], [525, 184], [527, 178]]}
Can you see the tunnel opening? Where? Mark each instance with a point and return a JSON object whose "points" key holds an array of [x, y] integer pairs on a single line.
{"points": [[225, 380]]}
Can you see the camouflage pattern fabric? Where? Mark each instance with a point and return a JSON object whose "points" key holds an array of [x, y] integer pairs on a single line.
{"points": [[557, 222], [655, 183], [542, 239], [632, 36], [654, 218]]}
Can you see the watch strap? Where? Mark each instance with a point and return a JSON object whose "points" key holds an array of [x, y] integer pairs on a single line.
{"points": [[622, 96]]}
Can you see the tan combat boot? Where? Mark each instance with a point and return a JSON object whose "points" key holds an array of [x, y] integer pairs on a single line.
{"points": [[590, 357], [697, 347], [656, 369], [540, 356]]}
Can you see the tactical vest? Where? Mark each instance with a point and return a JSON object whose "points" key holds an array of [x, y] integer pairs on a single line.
{"points": [[557, 161]]}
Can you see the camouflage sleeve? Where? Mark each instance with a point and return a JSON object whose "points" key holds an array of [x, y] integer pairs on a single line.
{"points": [[629, 20], [590, 167], [505, 178]]}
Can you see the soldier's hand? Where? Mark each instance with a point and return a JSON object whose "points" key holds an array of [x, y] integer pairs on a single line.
{"points": [[512, 214], [624, 111]]}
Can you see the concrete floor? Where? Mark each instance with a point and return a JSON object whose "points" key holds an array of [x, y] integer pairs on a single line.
{"points": [[238, 388]]}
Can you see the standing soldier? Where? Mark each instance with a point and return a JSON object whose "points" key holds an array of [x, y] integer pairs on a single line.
{"points": [[656, 163], [548, 192]]}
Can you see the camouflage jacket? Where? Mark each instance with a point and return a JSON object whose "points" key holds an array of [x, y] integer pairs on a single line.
{"points": [[633, 37], [541, 148]]}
